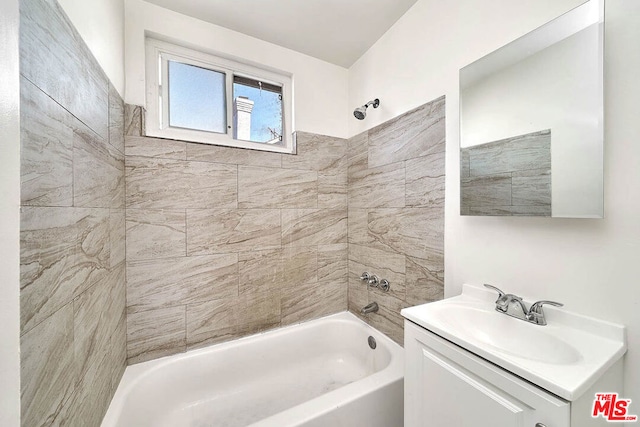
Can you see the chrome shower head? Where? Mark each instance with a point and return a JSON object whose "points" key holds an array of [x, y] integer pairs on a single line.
{"points": [[361, 112]]}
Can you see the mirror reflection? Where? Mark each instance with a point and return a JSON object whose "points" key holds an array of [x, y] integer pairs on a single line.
{"points": [[531, 122]]}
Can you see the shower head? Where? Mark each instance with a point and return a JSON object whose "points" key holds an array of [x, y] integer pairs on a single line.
{"points": [[361, 112]]}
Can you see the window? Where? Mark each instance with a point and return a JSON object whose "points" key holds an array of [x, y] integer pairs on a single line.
{"points": [[194, 96]]}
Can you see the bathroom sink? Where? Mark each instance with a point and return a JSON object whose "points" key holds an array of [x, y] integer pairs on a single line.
{"points": [[564, 357], [506, 335]]}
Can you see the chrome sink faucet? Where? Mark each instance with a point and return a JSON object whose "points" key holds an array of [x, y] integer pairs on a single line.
{"points": [[512, 305]]}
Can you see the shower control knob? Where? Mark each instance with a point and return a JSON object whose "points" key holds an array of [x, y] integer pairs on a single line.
{"points": [[384, 285], [365, 276], [374, 281], [540, 425]]}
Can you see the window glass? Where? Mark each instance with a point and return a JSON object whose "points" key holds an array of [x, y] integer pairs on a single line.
{"points": [[196, 98], [257, 109]]}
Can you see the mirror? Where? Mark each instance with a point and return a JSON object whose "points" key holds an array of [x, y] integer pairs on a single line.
{"points": [[531, 122]]}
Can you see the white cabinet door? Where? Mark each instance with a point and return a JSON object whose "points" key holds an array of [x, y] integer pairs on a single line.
{"points": [[446, 386]]}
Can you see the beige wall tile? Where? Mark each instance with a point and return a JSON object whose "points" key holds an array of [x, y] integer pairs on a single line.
{"points": [[48, 375], [133, 120], [174, 184], [309, 227], [310, 301], [170, 282], [98, 172], [46, 158], [260, 187], [425, 180], [299, 265], [220, 320], [232, 230], [117, 237], [155, 333], [116, 119], [332, 190], [414, 134], [383, 263], [142, 146], [63, 251], [260, 271], [236, 156], [156, 233], [318, 153], [377, 187], [424, 284], [333, 262]]}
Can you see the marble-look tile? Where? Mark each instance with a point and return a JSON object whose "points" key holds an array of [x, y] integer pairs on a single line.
{"points": [[333, 262], [166, 282], [416, 133], [98, 172], [156, 233], [358, 226], [232, 230], [220, 320], [313, 300], [523, 152], [118, 347], [47, 370], [532, 187], [89, 402], [133, 120], [55, 58], [357, 152], [142, 146], [383, 263], [332, 190], [489, 191], [260, 271], [416, 232], [318, 153], [63, 251], [388, 319], [465, 167], [266, 188], [299, 265], [117, 237], [175, 184], [423, 283], [236, 156], [93, 323], [358, 296], [377, 187], [309, 227], [531, 210], [116, 119], [46, 136], [155, 333], [425, 180]]}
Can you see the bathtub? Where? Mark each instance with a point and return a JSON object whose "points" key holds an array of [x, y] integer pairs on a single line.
{"points": [[315, 374]]}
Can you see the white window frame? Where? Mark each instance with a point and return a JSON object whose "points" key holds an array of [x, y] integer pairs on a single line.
{"points": [[158, 53]]}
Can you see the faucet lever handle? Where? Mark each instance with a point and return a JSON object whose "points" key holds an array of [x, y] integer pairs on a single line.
{"points": [[500, 293], [536, 307]]}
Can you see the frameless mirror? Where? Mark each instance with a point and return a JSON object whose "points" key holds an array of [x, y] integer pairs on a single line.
{"points": [[531, 122]]}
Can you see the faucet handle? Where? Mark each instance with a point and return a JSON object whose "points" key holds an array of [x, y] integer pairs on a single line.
{"points": [[536, 315], [373, 281], [500, 293], [365, 276]]}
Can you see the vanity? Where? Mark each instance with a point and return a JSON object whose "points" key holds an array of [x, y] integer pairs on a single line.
{"points": [[469, 364]]}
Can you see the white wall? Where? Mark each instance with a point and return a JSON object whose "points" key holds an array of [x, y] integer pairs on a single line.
{"points": [[101, 25], [590, 265], [320, 89], [9, 216]]}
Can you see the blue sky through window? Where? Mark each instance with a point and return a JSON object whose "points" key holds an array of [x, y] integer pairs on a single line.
{"points": [[196, 98], [267, 112]]}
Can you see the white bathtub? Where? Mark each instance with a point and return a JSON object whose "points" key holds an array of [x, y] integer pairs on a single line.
{"points": [[316, 374]]}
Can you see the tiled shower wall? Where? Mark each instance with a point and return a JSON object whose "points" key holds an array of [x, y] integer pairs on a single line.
{"points": [[72, 248], [396, 179], [225, 242]]}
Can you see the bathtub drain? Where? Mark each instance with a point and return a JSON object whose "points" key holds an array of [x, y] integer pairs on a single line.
{"points": [[372, 342]]}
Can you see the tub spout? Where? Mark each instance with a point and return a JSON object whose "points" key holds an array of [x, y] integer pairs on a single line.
{"points": [[369, 308]]}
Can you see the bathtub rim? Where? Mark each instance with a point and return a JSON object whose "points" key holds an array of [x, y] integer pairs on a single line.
{"points": [[307, 410]]}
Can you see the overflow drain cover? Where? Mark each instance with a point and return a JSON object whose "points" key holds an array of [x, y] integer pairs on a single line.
{"points": [[372, 342]]}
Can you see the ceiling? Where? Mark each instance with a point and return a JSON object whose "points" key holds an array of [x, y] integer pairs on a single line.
{"points": [[335, 31]]}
